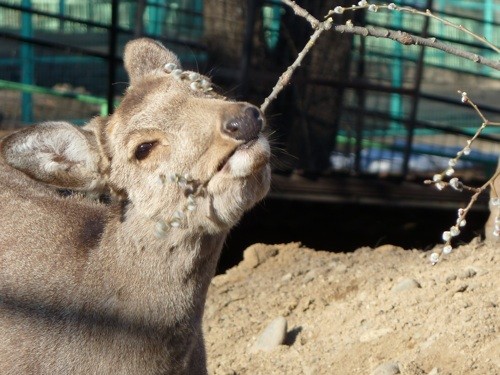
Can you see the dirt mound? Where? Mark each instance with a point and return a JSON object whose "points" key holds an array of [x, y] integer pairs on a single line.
{"points": [[374, 311]]}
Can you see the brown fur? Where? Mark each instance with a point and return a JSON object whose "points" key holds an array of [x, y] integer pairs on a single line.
{"points": [[94, 288], [489, 227]]}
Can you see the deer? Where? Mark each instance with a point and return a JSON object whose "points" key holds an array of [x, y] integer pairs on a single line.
{"points": [[492, 226], [110, 233]]}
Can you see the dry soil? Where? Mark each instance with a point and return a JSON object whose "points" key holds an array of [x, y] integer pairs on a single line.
{"points": [[373, 311]]}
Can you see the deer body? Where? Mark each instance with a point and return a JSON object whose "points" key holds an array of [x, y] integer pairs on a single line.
{"points": [[119, 288]]}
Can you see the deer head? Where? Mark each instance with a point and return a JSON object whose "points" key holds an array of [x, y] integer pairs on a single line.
{"points": [[180, 153]]}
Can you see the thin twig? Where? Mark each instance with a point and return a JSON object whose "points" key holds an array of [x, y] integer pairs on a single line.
{"points": [[467, 100], [378, 32], [287, 74], [426, 13], [301, 12], [409, 39], [284, 79], [406, 39], [457, 185], [444, 21]]}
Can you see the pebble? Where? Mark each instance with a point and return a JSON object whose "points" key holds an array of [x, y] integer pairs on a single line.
{"points": [[450, 278], [374, 334], [341, 268], [310, 276], [434, 371], [257, 254], [388, 368], [406, 284], [467, 273], [272, 336]]}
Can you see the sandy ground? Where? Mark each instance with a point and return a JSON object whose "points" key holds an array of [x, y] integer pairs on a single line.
{"points": [[376, 311]]}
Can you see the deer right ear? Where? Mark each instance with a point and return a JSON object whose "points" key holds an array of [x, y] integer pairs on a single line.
{"points": [[145, 56], [55, 153]]}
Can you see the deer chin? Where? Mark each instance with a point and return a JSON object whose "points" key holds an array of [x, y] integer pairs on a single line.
{"points": [[246, 159]]}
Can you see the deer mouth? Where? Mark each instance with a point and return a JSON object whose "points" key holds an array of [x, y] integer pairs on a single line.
{"points": [[224, 164], [246, 159]]}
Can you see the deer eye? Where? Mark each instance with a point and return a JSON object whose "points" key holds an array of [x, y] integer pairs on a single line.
{"points": [[143, 150]]}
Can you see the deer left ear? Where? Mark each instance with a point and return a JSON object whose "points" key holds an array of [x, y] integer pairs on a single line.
{"points": [[57, 154], [145, 56]]}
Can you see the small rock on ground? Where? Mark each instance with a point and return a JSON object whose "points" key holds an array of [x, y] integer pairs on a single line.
{"points": [[388, 368], [272, 336], [406, 284]]}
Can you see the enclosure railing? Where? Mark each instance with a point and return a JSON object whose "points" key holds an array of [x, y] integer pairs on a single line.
{"points": [[36, 24], [388, 114]]}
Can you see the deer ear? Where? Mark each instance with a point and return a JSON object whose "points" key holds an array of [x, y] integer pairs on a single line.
{"points": [[55, 153], [145, 56]]}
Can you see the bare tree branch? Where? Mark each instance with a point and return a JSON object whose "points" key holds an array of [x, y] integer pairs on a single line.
{"points": [[284, 79], [428, 13], [301, 12], [378, 32], [409, 39], [439, 180]]}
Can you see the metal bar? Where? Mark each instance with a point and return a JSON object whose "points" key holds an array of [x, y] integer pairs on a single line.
{"points": [[44, 90], [54, 45], [61, 13], [369, 190], [489, 16], [455, 131], [359, 83], [414, 106], [139, 18], [361, 103], [437, 65], [121, 30], [153, 10], [112, 66], [247, 47], [60, 17], [27, 66], [396, 101], [419, 124], [489, 7]]}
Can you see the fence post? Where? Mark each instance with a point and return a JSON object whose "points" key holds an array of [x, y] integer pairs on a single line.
{"points": [[396, 106], [247, 48], [416, 97], [27, 64], [113, 39]]}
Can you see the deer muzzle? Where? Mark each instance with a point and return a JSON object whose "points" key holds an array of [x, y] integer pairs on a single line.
{"points": [[245, 127]]}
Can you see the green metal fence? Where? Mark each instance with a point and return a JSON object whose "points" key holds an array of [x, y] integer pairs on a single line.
{"points": [[83, 30], [63, 55]]}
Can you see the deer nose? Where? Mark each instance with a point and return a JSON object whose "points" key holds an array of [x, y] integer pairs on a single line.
{"points": [[246, 126]]}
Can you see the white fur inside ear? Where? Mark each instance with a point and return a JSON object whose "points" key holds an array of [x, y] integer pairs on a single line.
{"points": [[56, 150], [56, 153]]}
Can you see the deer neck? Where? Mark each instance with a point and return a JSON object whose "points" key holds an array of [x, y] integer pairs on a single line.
{"points": [[155, 281]]}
